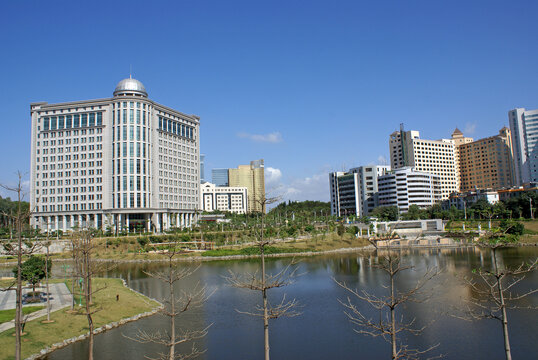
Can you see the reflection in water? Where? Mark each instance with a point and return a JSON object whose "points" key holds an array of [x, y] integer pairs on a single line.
{"points": [[323, 331]]}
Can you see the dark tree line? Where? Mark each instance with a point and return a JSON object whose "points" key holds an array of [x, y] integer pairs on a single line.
{"points": [[524, 206], [7, 207]]}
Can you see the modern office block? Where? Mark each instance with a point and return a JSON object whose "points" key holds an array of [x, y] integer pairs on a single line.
{"points": [[524, 128], [124, 162], [436, 157], [404, 187], [219, 177], [223, 198], [486, 163], [355, 192], [253, 178]]}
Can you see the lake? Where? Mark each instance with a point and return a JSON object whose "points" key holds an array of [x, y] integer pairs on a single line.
{"points": [[323, 331]]}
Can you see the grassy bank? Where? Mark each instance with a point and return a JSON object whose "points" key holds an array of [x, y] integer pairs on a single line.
{"points": [[67, 325], [316, 243], [8, 315]]}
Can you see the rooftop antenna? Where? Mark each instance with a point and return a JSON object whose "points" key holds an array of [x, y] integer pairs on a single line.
{"points": [[130, 71]]}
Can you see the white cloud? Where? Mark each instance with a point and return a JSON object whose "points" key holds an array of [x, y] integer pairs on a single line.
{"points": [[274, 137], [272, 177], [470, 128], [381, 160], [315, 187]]}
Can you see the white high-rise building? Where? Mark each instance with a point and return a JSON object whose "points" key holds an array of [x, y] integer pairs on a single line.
{"points": [[355, 192], [124, 162], [436, 157], [404, 187], [524, 129]]}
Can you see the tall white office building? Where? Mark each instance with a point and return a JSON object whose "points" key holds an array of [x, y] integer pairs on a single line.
{"points": [[355, 192], [524, 129], [124, 162], [436, 157]]}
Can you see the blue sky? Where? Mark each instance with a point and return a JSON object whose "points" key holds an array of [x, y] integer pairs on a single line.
{"points": [[310, 86]]}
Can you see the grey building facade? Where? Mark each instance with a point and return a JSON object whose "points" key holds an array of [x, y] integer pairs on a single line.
{"points": [[524, 130]]}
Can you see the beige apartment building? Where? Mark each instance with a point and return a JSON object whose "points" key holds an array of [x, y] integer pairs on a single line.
{"points": [[485, 163], [436, 157], [253, 178], [459, 139]]}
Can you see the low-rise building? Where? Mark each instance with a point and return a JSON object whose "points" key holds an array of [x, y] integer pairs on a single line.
{"points": [[463, 200], [405, 186], [223, 198], [514, 192]]}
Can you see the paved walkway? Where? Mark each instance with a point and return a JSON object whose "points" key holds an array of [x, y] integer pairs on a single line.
{"points": [[60, 297]]}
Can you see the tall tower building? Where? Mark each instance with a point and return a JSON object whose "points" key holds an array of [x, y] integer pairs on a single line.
{"points": [[253, 178], [124, 162], [486, 163], [459, 139], [524, 128], [355, 192], [219, 177], [436, 157]]}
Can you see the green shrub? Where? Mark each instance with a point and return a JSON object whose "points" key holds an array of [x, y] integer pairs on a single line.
{"points": [[143, 241], [511, 227]]}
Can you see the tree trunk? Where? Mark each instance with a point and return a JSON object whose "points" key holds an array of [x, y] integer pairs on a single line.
{"points": [[47, 277], [504, 320], [392, 315], [90, 325], [173, 317], [89, 316], [18, 310], [265, 313]]}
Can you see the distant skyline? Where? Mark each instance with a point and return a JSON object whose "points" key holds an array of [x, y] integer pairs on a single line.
{"points": [[309, 86]]}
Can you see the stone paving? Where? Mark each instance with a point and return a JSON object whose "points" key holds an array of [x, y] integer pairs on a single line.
{"points": [[60, 297]]}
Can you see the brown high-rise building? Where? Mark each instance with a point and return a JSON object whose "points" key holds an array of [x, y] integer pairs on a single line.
{"points": [[253, 178], [484, 163]]}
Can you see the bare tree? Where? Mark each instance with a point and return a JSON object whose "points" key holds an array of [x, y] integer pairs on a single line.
{"points": [[266, 282], [175, 306], [20, 249], [386, 324], [86, 268], [47, 244], [493, 292]]}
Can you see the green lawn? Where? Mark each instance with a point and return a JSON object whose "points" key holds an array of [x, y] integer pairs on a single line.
{"points": [[67, 325], [8, 315]]}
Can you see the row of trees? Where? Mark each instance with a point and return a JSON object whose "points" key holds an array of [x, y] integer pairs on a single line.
{"points": [[520, 207], [492, 290]]}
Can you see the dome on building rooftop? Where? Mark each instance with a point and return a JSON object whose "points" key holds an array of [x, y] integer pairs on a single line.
{"points": [[130, 86]]}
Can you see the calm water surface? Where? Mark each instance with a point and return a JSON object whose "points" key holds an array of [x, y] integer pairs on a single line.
{"points": [[323, 331]]}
